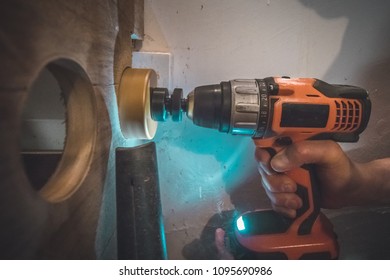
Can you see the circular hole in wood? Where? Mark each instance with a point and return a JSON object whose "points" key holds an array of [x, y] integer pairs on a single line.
{"points": [[59, 124]]}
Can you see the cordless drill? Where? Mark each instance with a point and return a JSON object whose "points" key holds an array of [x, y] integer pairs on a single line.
{"points": [[276, 112]]}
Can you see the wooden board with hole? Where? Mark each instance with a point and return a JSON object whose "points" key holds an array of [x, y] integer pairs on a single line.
{"points": [[86, 45]]}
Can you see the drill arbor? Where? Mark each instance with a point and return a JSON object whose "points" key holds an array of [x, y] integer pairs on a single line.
{"points": [[163, 105]]}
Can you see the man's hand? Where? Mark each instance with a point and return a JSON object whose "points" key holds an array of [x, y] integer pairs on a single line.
{"points": [[338, 176]]}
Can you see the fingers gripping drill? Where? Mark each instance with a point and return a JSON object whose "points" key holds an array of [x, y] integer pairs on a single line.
{"points": [[276, 112]]}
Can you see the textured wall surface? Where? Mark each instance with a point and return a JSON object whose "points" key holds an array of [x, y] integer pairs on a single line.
{"points": [[204, 173]]}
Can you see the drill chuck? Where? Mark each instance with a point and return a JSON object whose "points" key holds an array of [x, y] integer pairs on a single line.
{"points": [[238, 107], [212, 106]]}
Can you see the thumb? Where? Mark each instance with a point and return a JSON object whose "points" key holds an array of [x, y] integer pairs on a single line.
{"points": [[323, 153]]}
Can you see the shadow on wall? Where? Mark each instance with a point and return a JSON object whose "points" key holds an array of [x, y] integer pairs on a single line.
{"points": [[375, 139], [364, 233], [364, 60]]}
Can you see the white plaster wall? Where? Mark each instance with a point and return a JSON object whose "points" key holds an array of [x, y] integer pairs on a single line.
{"points": [[340, 41]]}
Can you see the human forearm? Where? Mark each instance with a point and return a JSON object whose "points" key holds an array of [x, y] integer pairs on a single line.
{"points": [[373, 184]]}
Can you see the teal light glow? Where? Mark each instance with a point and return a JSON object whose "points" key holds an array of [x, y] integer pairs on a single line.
{"points": [[240, 224]]}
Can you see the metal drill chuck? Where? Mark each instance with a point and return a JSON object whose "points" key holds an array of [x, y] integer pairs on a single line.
{"points": [[163, 105], [245, 107]]}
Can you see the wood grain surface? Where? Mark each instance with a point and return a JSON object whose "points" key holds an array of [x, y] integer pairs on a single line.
{"points": [[95, 35]]}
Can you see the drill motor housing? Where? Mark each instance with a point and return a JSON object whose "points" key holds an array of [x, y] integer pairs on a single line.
{"points": [[272, 108]]}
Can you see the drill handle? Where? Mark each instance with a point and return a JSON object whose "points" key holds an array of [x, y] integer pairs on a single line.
{"points": [[307, 189]]}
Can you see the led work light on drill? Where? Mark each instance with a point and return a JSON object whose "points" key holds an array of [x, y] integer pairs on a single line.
{"points": [[276, 112]]}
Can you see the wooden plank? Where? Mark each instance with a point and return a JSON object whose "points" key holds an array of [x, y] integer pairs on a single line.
{"points": [[95, 35]]}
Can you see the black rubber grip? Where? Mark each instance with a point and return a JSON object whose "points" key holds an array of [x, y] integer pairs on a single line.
{"points": [[314, 199]]}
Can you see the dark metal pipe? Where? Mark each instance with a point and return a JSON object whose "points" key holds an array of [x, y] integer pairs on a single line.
{"points": [[140, 229]]}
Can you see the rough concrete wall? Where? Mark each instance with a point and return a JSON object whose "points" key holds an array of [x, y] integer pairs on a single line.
{"points": [[343, 42]]}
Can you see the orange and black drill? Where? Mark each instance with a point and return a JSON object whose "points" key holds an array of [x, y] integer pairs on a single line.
{"points": [[276, 112]]}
